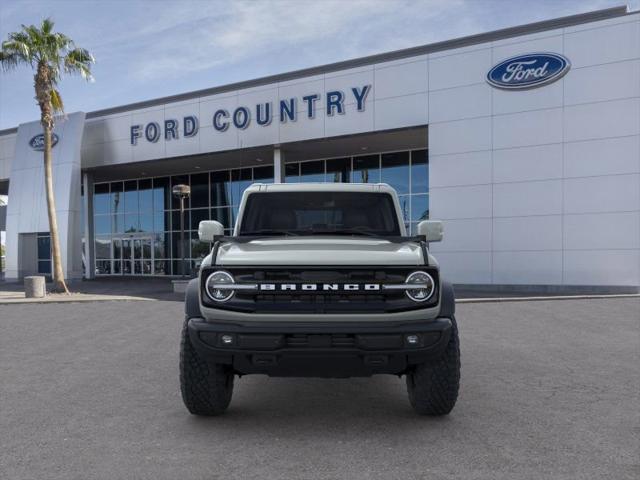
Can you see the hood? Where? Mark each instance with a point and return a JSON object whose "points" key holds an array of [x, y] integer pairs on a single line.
{"points": [[320, 251]]}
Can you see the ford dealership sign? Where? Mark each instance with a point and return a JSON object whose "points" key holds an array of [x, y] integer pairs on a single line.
{"points": [[284, 110], [37, 142], [528, 71]]}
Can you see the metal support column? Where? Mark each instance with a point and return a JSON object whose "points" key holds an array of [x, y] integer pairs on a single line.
{"points": [[278, 166], [87, 200]]}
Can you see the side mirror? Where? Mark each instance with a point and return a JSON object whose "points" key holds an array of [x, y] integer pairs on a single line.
{"points": [[431, 229], [208, 229]]}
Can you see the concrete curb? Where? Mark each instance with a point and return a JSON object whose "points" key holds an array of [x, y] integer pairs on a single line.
{"points": [[120, 298], [73, 299], [544, 299]]}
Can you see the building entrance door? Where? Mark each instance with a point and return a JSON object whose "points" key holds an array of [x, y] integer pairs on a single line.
{"points": [[133, 256]]}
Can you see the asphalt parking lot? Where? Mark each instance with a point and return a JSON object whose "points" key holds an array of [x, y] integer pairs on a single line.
{"points": [[550, 389]]}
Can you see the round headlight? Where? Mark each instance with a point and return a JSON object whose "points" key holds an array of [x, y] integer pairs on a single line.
{"points": [[216, 286], [426, 289]]}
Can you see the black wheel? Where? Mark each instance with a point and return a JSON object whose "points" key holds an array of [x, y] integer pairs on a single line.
{"points": [[433, 386], [206, 387]]}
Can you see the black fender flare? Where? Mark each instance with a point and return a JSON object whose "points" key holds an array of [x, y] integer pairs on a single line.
{"points": [[191, 300], [448, 300]]}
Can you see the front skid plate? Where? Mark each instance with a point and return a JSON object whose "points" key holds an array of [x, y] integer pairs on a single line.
{"points": [[327, 351]]}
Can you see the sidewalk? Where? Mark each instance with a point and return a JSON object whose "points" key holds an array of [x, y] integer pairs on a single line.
{"points": [[140, 289], [103, 289]]}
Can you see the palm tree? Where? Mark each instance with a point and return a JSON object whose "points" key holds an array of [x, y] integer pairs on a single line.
{"points": [[2, 204], [50, 55]]}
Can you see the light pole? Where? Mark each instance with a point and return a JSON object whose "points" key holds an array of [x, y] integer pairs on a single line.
{"points": [[182, 192]]}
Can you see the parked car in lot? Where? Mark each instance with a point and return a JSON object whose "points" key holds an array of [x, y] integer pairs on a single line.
{"points": [[319, 280]]}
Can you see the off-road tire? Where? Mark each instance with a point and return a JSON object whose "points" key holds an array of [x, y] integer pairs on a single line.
{"points": [[433, 386], [206, 387]]}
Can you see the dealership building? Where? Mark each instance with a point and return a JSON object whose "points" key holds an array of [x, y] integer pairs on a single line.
{"points": [[524, 141]]}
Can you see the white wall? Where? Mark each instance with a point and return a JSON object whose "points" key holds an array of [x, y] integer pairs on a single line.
{"points": [[398, 98], [27, 206], [540, 186], [7, 151]]}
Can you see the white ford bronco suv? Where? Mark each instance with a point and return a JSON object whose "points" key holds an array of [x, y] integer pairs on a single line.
{"points": [[319, 280]]}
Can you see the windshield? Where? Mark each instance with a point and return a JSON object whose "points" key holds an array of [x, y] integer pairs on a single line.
{"points": [[317, 213]]}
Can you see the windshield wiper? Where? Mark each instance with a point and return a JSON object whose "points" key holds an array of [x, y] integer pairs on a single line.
{"points": [[269, 231]]}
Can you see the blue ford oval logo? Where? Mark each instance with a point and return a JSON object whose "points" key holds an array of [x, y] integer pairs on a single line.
{"points": [[37, 142], [528, 71]]}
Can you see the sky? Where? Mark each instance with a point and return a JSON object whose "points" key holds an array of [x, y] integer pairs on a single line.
{"points": [[150, 49]]}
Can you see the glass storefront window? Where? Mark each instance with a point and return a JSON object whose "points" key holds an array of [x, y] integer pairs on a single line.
{"points": [[419, 208], [103, 267], [103, 247], [366, 169], [178, 266], [241, 178], [44, 267], [145, 195], [198, 215], [146, 222], [175, 220], [179, 180], [395, 171], [102, 224], [131, 223], [200, 190], [131, 203], [312, 171], [234, 212], [101, 199], [175, 245], [160, 242], [292, 172], [419, 171], [117, 192], [220, 189], [117, 248], [198, 248], [117, 223], [263, 174], [44, 247], [222, 215], [338, 170], [44, 253], [145, 211], [161, 194], [161, 221], [404, 206], [162, 267]]}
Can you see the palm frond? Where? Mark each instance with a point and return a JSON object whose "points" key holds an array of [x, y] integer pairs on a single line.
{"points": [[51, 53], [16, 50], [47, 26], [16, 47], [34, 34], [63, 42], [19, 38], [79, 61], [56, 101], [9, 61]]}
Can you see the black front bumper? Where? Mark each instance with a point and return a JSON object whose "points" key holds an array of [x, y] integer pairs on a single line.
{"points": [[319, 350]]}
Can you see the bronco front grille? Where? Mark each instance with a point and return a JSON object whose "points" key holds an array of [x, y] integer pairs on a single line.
{"points": [[320, 300]]}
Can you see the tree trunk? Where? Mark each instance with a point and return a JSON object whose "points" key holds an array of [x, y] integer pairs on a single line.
{"points": [[43, 86], [59, 284]]}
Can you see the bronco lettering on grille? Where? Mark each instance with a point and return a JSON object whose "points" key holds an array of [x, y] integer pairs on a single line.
{"points": [[326, 287]]}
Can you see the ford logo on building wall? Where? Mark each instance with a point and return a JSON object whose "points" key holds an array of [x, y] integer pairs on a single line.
{"points": [[37, 142], [528, 71]]}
